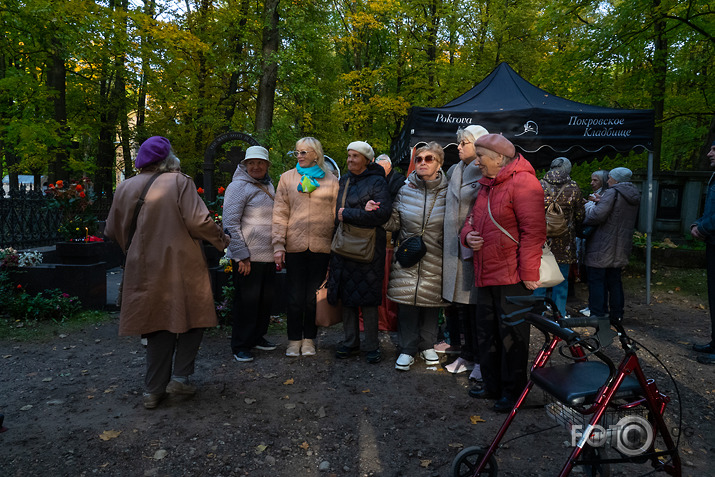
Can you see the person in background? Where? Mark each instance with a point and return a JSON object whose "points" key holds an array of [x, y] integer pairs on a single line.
{"points": [[358, 286], [395, 180], [457, 267], [704, 229], [419, 210], [510, 201], [599, 184], [247, 215], [166, 291], [608, 248], [558, 187], [303, 216]]}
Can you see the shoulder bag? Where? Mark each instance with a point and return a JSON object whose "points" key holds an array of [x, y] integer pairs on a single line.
{"points": [[549, 272], [326, 314], [411, 250], [353, 242]]}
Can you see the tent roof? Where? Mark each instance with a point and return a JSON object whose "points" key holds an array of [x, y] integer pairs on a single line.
{"points": [[541, 125]]}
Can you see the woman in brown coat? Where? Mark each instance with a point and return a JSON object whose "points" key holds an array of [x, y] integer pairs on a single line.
{"points": [[166, 292]]}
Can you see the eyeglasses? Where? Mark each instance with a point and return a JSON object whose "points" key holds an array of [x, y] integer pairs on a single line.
{"points": [[301, 153], [426, 159], [465, 142]]}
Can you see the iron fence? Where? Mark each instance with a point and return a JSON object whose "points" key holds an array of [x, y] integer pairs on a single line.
{"points": [[27, 220]]}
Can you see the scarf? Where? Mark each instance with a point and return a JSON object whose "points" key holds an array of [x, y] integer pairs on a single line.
{"points": [[309, 175]]}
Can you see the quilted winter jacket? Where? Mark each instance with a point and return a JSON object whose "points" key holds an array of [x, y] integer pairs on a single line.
{"points": [[247, 214], [355, 283], [517, 204], [615, 217], [304, 221], [420, 284], [457, 273], [706, 223], [572, 204]]}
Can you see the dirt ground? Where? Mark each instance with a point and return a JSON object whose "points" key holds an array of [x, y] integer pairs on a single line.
{"points": [[73, 407]]}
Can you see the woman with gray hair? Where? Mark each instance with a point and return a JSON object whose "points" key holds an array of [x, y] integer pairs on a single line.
{"points": [[166, 292], [506, 230], [458, 270], [417, 288]]}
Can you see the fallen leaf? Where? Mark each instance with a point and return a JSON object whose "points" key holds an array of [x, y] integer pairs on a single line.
{"points": [[304, 446], [290, 406], [47, 380], [249, 400], [425, 463], [63, 335], [476, 419], [456, 444], [90, 397], [26, 408], [6, 356], [160, 454], [106, 435], [288, 381], [366, 390], [260, 448]]}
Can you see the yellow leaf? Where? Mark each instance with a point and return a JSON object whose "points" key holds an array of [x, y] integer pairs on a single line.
{"points": [[261, 448], [304, 446], [425, 463], [289, 381], [106, 435], [476, 419], [456, 444], [366, 390]]}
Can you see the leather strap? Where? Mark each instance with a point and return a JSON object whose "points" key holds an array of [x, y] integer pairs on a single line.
{"points": [[138, 208]]}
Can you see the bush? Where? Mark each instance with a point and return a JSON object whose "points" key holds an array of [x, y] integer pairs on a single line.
{"points": [[17, 304]]}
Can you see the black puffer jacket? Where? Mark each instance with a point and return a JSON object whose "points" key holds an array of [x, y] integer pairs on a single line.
{"points": [[360, 284]]}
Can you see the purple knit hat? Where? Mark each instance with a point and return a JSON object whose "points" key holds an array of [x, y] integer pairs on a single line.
{"points": [[154, 149]]}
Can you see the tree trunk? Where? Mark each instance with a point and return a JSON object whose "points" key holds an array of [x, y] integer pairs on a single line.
{"points": [[269, 70], [57, 81], [660, 70]]}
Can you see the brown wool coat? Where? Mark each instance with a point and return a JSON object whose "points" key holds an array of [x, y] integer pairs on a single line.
{"points": [[166, 282]]}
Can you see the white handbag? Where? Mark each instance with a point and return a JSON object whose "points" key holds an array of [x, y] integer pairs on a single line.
{"points": [[549, 272]]}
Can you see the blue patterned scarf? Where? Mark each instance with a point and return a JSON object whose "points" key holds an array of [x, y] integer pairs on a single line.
{"points": [[309, 175]]}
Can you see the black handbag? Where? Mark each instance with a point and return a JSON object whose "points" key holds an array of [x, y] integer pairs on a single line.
{"points": [[410, 251]]}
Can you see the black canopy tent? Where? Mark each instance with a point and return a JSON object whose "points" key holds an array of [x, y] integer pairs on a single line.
{"points": [[541, 126]]}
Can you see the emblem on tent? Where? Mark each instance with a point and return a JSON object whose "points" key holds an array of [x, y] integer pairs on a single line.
{"points": [[530, 127]]}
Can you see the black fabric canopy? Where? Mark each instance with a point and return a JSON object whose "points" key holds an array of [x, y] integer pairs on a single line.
{"points": [[542, 126]]}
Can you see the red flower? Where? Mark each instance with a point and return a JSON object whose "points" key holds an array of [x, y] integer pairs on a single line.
{"points": [[221, 190], [200, 190], [79, 188], [50, 186], [82, 194], [59, 184], [19, 287]]}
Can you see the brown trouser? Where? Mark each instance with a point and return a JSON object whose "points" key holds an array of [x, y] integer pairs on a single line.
{"points": [[162, 348]]}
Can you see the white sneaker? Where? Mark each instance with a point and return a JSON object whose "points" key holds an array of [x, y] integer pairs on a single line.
{"points": [[476, 374], [585, 312], [430, 356], [459, 365], [293, 349], [404, 361]]}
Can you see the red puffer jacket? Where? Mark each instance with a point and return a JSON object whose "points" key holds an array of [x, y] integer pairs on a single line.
{"points": [[517, 204]]}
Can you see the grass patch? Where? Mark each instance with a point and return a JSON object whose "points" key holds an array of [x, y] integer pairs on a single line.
{"points": [[33, 330], [685, 283]]}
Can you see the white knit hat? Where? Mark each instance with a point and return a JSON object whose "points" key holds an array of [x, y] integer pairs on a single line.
{"points": [[256, 152], [363, 148], [476, 131]]}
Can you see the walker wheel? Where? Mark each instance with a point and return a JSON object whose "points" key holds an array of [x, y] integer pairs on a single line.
{"points": [[467, 461]]}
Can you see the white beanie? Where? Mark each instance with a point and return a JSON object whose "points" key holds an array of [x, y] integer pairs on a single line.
{"points": [[476, 131], [256, 152], [620, 174], [363, 148]]}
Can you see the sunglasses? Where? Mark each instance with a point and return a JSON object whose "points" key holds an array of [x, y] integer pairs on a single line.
{"points": [[425, 159], [301, 153]]}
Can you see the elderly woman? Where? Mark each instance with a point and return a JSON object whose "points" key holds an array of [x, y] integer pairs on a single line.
{"points": [[560, 189], [359, 284], [303, 216], [506, 230], [458, 270], [419, 211], [166, 296], [247, 212]]}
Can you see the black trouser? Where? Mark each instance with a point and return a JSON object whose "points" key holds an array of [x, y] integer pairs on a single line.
{"points": [[710, 257], [417, 328], [165, 348], [468, 320], [305, 272], [503, 348], [252, 302]]}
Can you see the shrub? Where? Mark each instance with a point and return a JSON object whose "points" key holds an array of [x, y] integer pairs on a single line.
{"points": [[18, 304]]}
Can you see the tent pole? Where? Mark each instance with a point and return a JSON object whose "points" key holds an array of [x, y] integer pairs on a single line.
{"points": [[649, 226]]}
